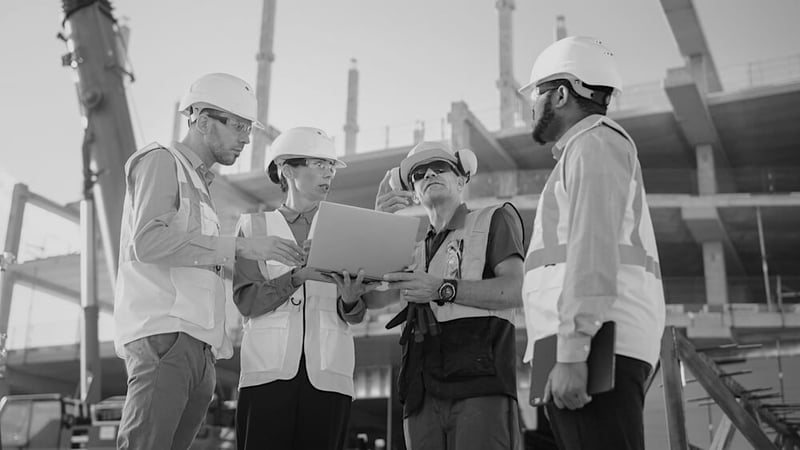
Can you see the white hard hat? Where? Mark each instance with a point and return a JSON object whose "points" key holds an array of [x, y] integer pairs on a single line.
{"points": [[303, 142], [464, 161], [584, 58], [224, 92]]}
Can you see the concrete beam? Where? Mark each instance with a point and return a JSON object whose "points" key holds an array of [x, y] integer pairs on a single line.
{"points": [[682, 18], [706, 227], [693, 117], [469, 132], [713, 323], [655, 201]]}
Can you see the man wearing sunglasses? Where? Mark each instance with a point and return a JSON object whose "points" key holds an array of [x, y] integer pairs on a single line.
{"points": [[593, 256], [169, 305], [457, 382]]}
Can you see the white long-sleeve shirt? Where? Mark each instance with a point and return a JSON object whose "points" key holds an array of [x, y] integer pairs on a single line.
{"points": [[592, 256]]}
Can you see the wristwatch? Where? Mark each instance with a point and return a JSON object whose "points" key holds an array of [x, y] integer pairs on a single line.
{"points": [[447, 291]]}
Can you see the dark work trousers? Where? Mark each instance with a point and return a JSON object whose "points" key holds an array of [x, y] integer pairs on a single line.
{"points": [[612, 420], [291, 415]]}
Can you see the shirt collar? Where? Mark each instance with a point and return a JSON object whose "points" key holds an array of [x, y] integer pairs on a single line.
{"points": [[456, 221], [292, 216], [197, 164], [586, 122]]}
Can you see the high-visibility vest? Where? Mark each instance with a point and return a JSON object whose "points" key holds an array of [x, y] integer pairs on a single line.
{"points": [[307, 324], [639, 308], [158, 298], [474, 354], [462, 255]]}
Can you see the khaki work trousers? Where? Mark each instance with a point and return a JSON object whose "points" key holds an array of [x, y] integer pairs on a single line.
{"points": [[171, 380]]}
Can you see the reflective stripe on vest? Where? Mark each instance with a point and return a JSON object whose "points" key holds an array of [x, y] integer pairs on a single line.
{"points": [[156, 298], [628, 254], [273, 342], [471, 240]]}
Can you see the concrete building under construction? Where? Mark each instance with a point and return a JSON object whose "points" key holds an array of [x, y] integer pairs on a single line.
{"points": [[719, 160]]}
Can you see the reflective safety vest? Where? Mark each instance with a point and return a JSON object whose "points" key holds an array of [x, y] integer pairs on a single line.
{"points": [[473, 356], [158, 298], [462, 255], [307, 324], [639, 308]]}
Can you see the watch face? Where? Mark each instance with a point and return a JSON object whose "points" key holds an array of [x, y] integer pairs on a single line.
{"points": [[447, 292]]}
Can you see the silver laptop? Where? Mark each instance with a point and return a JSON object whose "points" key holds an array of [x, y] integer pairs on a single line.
{"points": [[350, 238]]}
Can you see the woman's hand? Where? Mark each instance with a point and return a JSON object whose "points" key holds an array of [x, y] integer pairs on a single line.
{"points": [[351, 289]]}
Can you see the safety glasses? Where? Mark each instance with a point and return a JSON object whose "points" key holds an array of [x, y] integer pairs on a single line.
{"points": [[438, 167], [320, 164], [236, 124]]}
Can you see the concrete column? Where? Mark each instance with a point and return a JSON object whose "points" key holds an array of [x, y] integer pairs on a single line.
{"points": [[716, 278], [506, 84], [265, 57], [560, 31], [706, 172], [715, 275], [351, 124], [419, 132], [177, 119]]}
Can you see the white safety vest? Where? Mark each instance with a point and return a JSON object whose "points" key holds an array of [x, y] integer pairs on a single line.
{"points": [[639, 308], [462, 255], [307, 324], [157, 298]]}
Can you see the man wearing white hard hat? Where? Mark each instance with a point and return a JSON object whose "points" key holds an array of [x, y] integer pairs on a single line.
{"points": [[296, 382], [457, 381], [593, 256], [169, 304]]}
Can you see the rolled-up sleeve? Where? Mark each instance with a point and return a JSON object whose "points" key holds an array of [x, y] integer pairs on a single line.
{"points": [[351, 314], [598, 171], [253, 294], [155, 203]]}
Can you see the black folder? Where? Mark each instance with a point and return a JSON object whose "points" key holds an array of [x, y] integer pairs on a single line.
{"points": [[601, 363]]}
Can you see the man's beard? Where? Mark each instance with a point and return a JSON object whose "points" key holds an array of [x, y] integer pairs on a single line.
{"points": [[548, 117]]}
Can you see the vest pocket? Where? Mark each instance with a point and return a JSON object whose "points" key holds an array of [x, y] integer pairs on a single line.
{"points": [[466, 348], [264, 342], [337, 353], [196, 293]]}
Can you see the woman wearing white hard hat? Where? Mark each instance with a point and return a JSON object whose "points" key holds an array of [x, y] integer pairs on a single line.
{"points": [[296, 382], [592, 256]]}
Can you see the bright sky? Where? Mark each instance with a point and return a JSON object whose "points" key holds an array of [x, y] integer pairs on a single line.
{"points": [[415, 57]]}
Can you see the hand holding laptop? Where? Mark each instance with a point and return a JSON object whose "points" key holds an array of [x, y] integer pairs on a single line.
{"points": [[351, 289]]}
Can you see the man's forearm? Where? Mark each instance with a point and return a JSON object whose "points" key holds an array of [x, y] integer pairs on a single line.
{"points": [[503, 292]]}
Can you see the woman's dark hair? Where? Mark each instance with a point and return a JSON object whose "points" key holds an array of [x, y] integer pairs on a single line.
{"points": [[272, 171]]}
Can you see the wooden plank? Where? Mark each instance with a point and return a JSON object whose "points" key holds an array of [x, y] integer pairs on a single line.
{"points": [[673, 392], [710, 379]]}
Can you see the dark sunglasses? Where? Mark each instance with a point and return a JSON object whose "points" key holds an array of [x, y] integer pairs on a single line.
{"points": [[438, 167]]}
